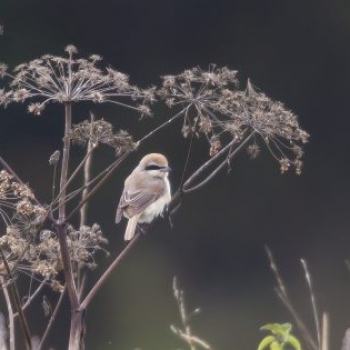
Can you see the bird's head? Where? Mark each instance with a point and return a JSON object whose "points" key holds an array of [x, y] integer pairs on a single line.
{"points": [[155, 164]]}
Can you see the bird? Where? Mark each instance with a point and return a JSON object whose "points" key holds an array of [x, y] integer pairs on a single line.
{"points": [[146, 193]]}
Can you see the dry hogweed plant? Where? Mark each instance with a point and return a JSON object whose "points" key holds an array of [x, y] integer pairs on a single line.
{"points": [[39, 245]]}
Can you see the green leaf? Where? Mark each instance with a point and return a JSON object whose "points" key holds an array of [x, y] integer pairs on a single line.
{"points": [[266, 342], [281, 329], [275, 345], [294, 342]]}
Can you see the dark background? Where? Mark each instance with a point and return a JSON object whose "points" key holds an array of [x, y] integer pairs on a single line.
{"points": [[297, 52]]}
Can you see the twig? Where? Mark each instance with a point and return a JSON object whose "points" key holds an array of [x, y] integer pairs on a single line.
{"points": [[67, 266], [84, 208], [168, 122], [190, 339], [281, 291], [313, 301], [186, 334], [12, 337], [179, 296], [52, 319], [65, 163], [31, 298], [54, 161], [74, 174], [17, 302], [222, 164], [87, 175], [94, 190], [61, 226], [3, 333], [102, 280]]}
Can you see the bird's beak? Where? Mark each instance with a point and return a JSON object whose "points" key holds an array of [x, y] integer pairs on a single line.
{"points": [[166, 169]]}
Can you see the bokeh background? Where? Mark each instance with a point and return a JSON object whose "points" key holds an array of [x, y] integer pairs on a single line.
{"points": [[297, 52]]}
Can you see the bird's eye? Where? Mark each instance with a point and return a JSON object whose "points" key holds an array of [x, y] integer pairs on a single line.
{"points": [[152, 167]]}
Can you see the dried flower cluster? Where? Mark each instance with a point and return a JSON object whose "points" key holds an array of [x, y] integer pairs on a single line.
{"points": [[17, 203], [30, 247], [70, 79], [213, 106], [41, 254], [84, 243], [100, 131]]}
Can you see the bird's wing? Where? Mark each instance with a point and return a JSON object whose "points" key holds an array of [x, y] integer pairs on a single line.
{"points": [[134, 202]]}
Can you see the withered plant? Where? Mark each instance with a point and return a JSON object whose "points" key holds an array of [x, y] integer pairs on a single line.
{"points": [[39, 245]]}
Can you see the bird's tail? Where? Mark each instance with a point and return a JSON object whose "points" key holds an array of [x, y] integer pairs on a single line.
{"points": [[131, 228]]}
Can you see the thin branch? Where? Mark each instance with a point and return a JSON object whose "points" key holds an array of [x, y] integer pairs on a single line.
{"points": [[74, 174], [313, 301], [12, 336], [190, 339], [32, 297], [187, 161], [165, 124], [67, 266], [17, 302], [178, 194], [222, 164], [186, 334], [3, 333], [61, 225], [87, 176], [52, 320], [84, 208], [54, 179], [65, 162], [281, 291], [102, 280], [94, 190]]}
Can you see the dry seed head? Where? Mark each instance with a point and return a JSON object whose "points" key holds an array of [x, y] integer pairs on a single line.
{"points": [[70, 79], [226, 113]]}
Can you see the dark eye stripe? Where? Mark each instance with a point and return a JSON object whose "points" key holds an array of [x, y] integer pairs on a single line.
{"points": [[153, 167]]}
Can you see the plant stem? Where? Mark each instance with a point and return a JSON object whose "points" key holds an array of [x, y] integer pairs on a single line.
{"points": [[282, 293], [52, 319], [12, 337], [17, 302], [87, 176], [85, 303], [32, 297], [74, 340], [65, 163], [99, 184], [84, 208], [168, 122]]}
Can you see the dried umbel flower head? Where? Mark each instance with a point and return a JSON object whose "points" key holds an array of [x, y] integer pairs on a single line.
{"points": [[84, 243], [41, 254], [277, 126], [100, 131], [70, 79], [17, 197], [212, 106]]}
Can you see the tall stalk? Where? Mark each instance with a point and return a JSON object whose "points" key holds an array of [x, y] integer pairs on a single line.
{"points": [[65, 163], [76, 325]]}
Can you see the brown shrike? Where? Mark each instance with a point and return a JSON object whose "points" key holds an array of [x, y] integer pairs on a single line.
{"points": [[146, 193]]}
